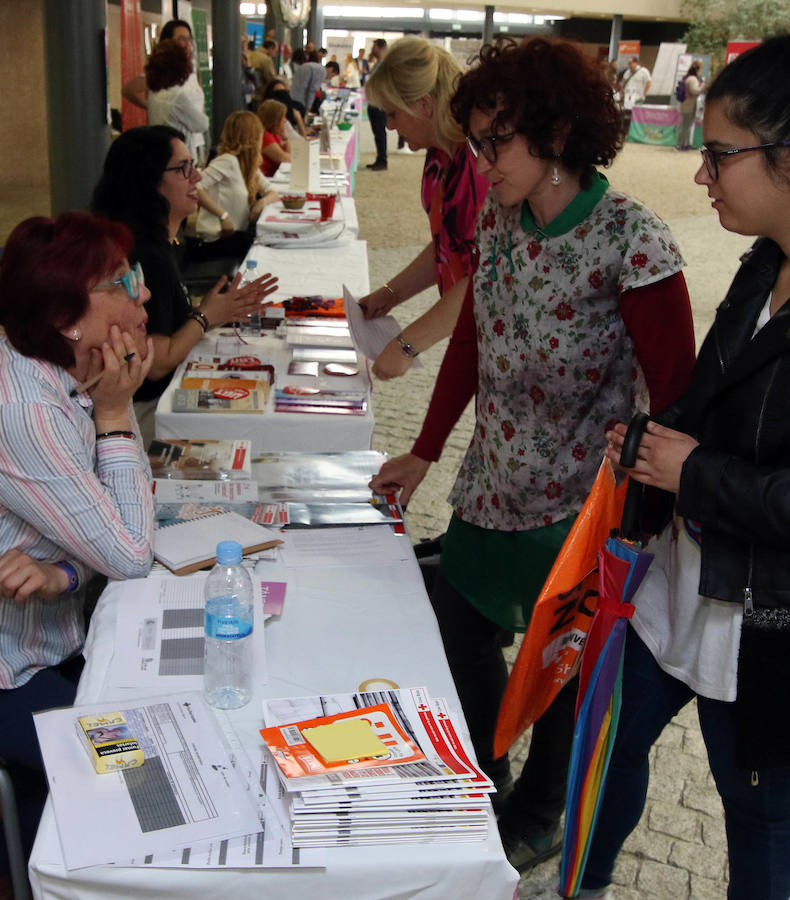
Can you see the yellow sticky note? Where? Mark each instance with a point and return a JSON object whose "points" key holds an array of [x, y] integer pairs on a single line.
{"points": [[344, 740]]}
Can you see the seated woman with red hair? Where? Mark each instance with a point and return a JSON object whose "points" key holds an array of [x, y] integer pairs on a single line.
{"points": [[75, 485]]}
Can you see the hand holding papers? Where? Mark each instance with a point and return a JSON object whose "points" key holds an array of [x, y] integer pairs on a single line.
{"points": [[370, 336]]}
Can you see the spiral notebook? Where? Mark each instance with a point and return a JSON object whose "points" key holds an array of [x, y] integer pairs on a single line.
{"points": [[186, 547]]}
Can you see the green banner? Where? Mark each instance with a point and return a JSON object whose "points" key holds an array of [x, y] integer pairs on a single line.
{"points": [[646, 133], [200, 37]]}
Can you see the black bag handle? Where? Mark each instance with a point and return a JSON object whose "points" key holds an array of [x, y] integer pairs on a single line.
{"points": [[630, 524]]}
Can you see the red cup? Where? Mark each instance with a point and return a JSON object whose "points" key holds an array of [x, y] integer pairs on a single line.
{"points": [[327, 202]]}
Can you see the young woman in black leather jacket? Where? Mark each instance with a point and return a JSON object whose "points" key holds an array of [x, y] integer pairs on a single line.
{"points": [[712, 617]]}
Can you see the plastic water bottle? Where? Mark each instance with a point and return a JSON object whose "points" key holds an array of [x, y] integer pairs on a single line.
{"points": [[250, 274], [227, 673]]}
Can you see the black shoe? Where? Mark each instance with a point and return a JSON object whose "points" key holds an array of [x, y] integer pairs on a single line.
{"points": [[377, 166], [525, 852]]}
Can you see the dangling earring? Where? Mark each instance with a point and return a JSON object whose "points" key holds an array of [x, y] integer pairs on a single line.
{"points": [[75, 335], [556, 179]]}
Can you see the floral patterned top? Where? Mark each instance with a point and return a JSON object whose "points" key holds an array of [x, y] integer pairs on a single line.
{"points": [[452, 194], [556, 364]]}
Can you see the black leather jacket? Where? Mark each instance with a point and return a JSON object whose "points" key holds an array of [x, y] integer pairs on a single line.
{"points": [[736, 484]]}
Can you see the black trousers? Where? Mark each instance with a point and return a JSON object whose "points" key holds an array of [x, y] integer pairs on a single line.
{"points": [[48, 688], [473, 645], [378, 124]]}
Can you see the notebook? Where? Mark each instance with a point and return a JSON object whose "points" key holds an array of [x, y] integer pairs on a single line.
{"points": [[188, 546]]}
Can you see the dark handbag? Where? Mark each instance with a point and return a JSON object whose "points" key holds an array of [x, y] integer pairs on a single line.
{"points": [[762, 725]]}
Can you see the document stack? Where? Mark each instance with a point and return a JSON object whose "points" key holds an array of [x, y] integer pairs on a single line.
{"points": [[384, 767]]}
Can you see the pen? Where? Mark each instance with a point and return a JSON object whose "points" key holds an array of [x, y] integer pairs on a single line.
{"points": [[87, 385]]}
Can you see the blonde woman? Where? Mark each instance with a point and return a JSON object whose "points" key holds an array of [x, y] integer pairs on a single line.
{"points": [[232, 189], [413, 84], [275, 147], [351, 72]]}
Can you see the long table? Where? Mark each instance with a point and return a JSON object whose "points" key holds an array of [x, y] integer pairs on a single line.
{"points": [[339, 627]]}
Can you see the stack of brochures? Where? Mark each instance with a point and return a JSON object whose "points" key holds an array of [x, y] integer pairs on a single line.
{"points": [[203, 459], [290, 490], [293, 398], [238, 384], [387, 767]]}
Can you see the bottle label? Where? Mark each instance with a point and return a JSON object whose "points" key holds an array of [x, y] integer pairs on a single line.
{"points": [[227, 628]]}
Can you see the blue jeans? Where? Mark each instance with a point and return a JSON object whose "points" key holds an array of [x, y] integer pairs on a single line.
{"points": [[757, 816]]}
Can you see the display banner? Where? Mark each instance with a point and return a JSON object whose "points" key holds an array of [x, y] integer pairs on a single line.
{"points": [[132, 59], [735, 48], [654, 125], [200, 39]]}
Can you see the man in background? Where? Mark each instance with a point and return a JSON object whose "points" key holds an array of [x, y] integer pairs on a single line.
{"points": [[363, 65], [378, 118], [635, 87], [263, 62]]}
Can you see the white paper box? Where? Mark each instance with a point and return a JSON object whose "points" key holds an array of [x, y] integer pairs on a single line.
{"points": [[305, 165]]}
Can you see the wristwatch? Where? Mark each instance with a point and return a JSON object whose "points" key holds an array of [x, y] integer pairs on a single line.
{"points": [[406, 347]]}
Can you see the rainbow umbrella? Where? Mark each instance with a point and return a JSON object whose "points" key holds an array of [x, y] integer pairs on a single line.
{"points": [[621, 568], [622, 565]]}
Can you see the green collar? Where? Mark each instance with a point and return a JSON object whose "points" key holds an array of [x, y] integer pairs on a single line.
{"points": [[574, 213]]}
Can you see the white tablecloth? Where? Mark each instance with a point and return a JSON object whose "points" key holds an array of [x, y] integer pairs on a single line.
{"points": [[339, 627], [301, 272], [272, 430]]}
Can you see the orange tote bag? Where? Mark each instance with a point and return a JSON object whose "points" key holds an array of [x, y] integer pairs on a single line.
{"points": [[562, 615]]}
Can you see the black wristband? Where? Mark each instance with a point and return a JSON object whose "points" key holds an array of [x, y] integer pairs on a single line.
{"points": [[200, 318], [124, 434]]}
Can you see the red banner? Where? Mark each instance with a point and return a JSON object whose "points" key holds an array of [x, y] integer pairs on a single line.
{"points": [[735, 48], [132, 59]]}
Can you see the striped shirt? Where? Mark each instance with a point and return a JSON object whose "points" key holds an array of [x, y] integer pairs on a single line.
{"points": [[63, 496]]}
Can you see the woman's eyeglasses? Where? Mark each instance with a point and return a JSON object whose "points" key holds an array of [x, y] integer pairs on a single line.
{"points": [[133, 281], [186, 168], [711, 157], [488, 145]]}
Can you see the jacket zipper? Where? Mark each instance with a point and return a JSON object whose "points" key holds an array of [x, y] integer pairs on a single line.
{"points": [[748, 601]]}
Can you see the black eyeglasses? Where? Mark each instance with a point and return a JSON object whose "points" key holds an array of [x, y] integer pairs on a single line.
{"points": [[488, 145], [711, 157], [186, 168]]}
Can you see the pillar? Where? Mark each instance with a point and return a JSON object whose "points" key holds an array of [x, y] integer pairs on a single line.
{"points": [[226, 26]]}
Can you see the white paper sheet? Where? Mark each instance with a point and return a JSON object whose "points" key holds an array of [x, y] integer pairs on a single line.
{"points": [[187, 790], [370, 336], [270, 847], [161, 628], [367, 545], [303, 272]]}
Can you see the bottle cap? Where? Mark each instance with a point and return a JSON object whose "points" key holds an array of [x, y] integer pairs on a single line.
{"points": [[229, 553], [252, 263]]}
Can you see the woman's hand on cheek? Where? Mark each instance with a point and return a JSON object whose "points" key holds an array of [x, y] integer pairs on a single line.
{"points": [[123, 371]]}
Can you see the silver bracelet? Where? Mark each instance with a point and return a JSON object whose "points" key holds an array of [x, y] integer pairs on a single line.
{"points": [[406, 347]]}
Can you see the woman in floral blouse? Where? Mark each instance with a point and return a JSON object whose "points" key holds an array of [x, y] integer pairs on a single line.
{"points": [[580, 316], [414, 84]]}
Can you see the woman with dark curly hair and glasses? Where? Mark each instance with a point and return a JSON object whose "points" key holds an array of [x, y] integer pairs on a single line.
{"points": [[580, 316], [150, 184]]}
